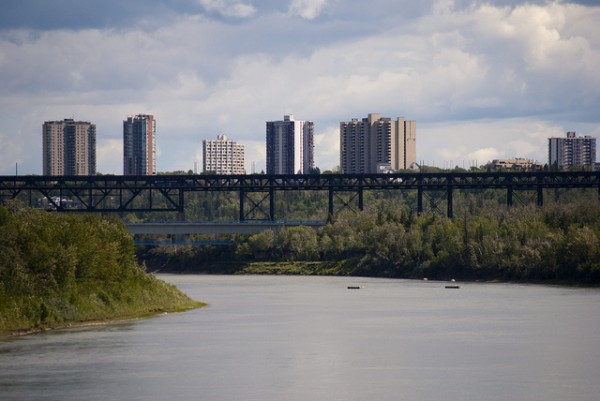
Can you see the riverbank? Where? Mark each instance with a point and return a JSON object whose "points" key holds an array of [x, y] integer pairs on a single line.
{"points": [[91, 323], [93, 305], [559, 242], [61, 270], [304, 268], [343, 268], [72, 325]]}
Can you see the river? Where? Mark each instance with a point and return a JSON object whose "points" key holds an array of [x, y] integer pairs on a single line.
{"points": [[311, 338]]}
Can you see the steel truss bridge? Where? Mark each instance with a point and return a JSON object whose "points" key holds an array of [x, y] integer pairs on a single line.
{"points": [[166, 193]]}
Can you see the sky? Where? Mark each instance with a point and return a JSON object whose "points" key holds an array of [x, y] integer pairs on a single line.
{"points": [[482, 79]]}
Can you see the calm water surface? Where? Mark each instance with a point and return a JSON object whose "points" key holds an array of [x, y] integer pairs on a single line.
{"points": [[311, 338]]}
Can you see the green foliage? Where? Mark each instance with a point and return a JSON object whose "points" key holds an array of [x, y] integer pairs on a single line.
{"points": [[485, 240], [59, 268]]}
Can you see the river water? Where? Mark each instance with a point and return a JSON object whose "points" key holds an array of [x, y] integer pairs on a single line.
{"points": [[311, 338]]}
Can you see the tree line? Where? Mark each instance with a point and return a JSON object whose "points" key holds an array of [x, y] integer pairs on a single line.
{"points": [[484, 241]]}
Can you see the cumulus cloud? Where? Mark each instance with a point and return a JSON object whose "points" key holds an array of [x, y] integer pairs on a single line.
{"points": [[458, 143], [443, 7], [227, 8], [434, 74], [308, 9], [328, 143], [481, 81], [10, 146], [110, 151]]}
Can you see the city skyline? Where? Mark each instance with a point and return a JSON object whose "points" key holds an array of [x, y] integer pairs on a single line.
{"points": [[134, 125], [484, 80]]}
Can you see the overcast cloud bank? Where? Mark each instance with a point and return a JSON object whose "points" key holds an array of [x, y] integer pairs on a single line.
{"points": [[483, 80]]}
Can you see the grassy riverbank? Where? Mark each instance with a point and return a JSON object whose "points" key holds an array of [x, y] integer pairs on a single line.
{"points": [[61, 270], [179, 264]]}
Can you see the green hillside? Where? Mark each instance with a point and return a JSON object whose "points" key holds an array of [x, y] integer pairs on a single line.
{"points": [[57, 270]]}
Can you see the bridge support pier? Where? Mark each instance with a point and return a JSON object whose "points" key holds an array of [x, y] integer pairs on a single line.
{"points": [[450, 211], [331, 202], [271, 204], [181, 206], [360, 199], [242, 217], [509, 196]]}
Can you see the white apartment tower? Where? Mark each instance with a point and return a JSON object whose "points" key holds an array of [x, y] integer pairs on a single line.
{"points": [[69, 148], [377, 144], [222, 156], [290, 146]]}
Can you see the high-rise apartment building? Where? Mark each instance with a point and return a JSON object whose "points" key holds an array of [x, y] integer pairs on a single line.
{"points": [[139, 145], [571, 151], [377, 144], [290, 146], [69, 147], [222, 156]]}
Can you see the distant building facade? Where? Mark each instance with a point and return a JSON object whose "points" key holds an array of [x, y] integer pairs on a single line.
{"points": [[564, 153], [377, 145], [69, 148], [139, 145], [222, 156], [290, 146], [516, 164]]}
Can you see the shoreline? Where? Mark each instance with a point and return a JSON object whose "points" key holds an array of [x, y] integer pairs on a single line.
{"points": [[99, 322], [336, 269]]}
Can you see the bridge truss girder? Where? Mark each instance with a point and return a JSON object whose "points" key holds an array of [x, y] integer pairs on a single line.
{"points": [[165, 193]]}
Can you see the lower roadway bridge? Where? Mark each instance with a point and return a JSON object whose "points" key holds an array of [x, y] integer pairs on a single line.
{"points": [[237, 227]]}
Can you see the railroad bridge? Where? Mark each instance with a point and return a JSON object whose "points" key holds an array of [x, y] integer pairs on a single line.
{"points": [[166, 193]]}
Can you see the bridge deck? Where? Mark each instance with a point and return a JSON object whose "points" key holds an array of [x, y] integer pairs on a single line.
{"points": [[245, 227], [166, 193]]}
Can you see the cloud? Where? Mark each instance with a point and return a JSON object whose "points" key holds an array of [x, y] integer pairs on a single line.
{"points": [[480, 80], [307, 9], [466, 69], [12, 151], [18, 149], [228, 8], [327, 141], [110, 151], [443, 7], [470, 142]]}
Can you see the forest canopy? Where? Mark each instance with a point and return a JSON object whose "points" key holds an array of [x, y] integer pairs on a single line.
{"points": [[59, 269], [486, 240]]}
